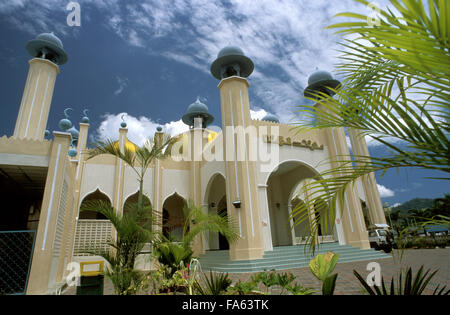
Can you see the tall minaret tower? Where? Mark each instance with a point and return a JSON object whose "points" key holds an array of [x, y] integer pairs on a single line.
{"points": [[48, 53], [197, 117], [350, 223], [232, 67]]}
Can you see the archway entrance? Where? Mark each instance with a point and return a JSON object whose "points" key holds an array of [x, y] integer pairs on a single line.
{"points": [[130, 206], [284, 193], [173, 217], [222, 211], [93, 215], [216, 200]]}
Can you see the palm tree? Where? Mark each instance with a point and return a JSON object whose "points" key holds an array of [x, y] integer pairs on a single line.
{"points": [[134, 227], [132, 236], [196, 222], [396, 87], [139, 158]]}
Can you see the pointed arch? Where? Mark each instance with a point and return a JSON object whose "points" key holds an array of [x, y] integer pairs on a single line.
{"points": [[92, 215], [173, 217], [133, 198], [284, 192]]}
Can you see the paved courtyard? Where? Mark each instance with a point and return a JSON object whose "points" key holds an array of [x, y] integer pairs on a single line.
{"points": [[435, 259]]}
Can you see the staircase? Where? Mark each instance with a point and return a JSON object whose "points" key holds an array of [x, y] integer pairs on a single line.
{"points": [[284, 257]]}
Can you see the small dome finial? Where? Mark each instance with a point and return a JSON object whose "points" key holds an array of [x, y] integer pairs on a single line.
{"points": [[65, 124], [85, 118], [123, 124]]}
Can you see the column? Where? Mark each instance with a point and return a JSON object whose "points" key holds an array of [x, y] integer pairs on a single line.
{"points": [[81, 158], [240, 171], [351, 216], [44, 264], [36, 99], [196, 143], [373, 200]]}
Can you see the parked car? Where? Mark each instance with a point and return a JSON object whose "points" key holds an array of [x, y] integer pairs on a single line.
{"points": [[381, 237]]}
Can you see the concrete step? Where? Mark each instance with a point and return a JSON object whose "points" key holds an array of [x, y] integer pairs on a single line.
{"points": [[285, 257]]}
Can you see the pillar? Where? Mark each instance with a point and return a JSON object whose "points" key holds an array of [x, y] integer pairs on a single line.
{"points": [[36, 99], [242, 203], [45, 256], [196, 145], [81, 158], [351, 216], [373, 200]]}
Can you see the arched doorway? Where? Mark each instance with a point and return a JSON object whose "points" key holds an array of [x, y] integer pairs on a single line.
{"points": [[173, 217], [284, 193], [93, 215], [130, 206], [222, 211], [215, 198]]}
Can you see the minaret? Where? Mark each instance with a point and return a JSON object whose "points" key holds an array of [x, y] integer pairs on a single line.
{"points": [[197, 117], [232, 67], [48, 53], [350, 223]]}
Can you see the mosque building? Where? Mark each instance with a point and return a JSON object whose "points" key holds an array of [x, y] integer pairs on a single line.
{"points": [[45, 177]]}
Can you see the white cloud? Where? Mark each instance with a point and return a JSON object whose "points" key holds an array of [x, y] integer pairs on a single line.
{"points": [[139, 129], [123, 82], [286, 39], [384, 191], [257, 114]]}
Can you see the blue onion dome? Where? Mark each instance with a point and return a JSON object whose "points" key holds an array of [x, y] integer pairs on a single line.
{"points": [[321, 81], [197, 109], [46, 133], [72, 152], [48, 46], [85, 118], [73, 132], [227, 59], [271, 117], [159, 128], [65, 124]]}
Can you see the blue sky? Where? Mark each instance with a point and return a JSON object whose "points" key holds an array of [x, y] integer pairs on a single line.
{"points": [[150, 59]]}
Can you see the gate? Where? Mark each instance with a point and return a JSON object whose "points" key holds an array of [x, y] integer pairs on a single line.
{"points": [[16, 252]]}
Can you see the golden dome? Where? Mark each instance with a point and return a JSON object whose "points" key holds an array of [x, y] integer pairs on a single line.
{"points": [[128, 145]]}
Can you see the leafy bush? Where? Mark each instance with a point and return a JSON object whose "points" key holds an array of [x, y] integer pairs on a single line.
{"points": [[243, 288], [172, 255], [215, 284], [283, 280]]}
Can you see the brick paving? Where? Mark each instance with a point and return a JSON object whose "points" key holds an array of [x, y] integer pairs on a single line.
{"points": [[347, 284]]}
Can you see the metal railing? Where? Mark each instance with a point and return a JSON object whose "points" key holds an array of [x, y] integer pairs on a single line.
{"points": [[16, 252]]}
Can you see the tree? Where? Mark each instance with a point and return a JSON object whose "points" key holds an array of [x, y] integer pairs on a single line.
{"points": [[396, 87], [196, 222], [134, 227]]}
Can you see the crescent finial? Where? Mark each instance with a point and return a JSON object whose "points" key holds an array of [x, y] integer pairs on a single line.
{"points": [[65, 112]]}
